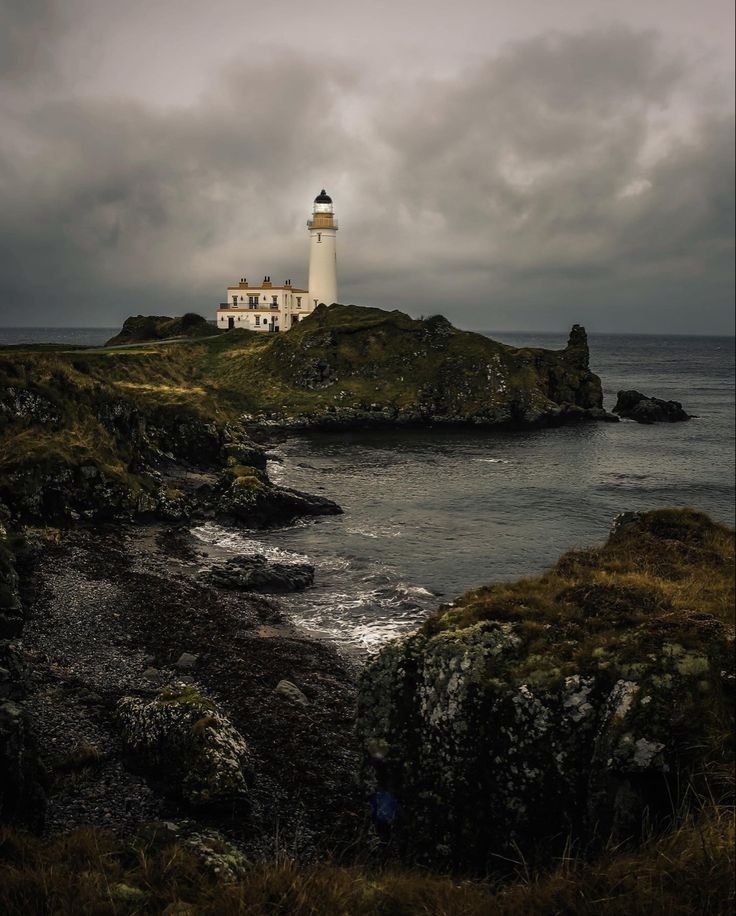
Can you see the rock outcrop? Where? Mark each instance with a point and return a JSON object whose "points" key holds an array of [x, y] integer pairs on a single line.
{"points": [[257, 574], [142, 328], [187, 746], [79, 453], [577, 706], [248, 496], [633, 405], [349, 366]]}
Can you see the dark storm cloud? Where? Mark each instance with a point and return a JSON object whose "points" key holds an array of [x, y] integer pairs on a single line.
{"points": [[571, 177], [538, 167], [28, 33]]}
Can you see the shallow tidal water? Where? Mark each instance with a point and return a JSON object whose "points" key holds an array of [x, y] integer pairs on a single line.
{"points": [[430, 514]]}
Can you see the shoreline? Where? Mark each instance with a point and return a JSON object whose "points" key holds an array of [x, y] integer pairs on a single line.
{"points": [[114, 608]]}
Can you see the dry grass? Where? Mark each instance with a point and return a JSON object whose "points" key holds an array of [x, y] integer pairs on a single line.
{"points": [[672, 561], [689, 871]]}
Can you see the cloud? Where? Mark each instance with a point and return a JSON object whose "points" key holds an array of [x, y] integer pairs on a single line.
{"points": [[572, 177], [29, 30]]}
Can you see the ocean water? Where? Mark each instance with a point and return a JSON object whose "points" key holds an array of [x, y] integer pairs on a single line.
{"points": [[82, 337], [430, 514]]}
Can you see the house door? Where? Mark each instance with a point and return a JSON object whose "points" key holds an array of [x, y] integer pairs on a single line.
{"points": [[230, 322]]}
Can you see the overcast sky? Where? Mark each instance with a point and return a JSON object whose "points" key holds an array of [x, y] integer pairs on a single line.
{"points": [[513, 164]]}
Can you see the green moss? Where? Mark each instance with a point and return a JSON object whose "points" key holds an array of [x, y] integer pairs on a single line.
{"points": [[184, 695]]}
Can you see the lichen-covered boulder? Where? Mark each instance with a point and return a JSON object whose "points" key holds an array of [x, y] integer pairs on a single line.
{"points": [[186, 745], [577, 705]]}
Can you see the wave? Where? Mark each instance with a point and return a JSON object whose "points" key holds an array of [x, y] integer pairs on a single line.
{"points": [[240, 542]]}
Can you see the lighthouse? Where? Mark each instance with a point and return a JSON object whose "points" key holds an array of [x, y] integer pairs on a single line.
{"points": [[322, 252]]}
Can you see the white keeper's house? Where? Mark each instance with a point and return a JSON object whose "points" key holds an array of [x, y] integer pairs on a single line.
{"points": [[269, 307]]}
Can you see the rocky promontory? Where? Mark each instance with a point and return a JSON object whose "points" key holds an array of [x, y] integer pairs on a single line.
{"points": [[142, 328], [166, 431], [347, 366], [583, 707]]}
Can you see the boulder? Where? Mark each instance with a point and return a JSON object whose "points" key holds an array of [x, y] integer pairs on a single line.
{"points": [[291, 692], [632, 405], [257, 574], [186, 745], [579, 706], [248, 496]]}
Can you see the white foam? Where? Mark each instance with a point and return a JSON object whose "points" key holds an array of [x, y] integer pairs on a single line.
{"points": [[240, 542]]}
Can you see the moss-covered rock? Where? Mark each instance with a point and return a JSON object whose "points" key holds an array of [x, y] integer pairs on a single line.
{"points": [[187, 746], [582, 703], [347, 365], [140, 328], [246, 495]]}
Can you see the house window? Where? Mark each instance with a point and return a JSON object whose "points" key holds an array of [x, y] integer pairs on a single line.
{"points": [[258, 320], [298, 302], [274, 300], [235, 302], [252, 301]]}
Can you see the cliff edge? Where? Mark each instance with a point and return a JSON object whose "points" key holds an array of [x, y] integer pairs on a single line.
{"points": [[348, 365], [586, 706]]}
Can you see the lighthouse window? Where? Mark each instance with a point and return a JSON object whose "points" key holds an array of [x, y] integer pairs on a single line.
{"points": [[319, 236]]}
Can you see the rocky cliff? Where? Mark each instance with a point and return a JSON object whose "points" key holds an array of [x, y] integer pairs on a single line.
{"points": [[91, 432], [582, 706], [347, 365]]}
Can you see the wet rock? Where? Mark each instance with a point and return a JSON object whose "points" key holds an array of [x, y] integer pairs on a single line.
{"points": [[632, 405], [185, 744], [257, 574], [291, 692]]}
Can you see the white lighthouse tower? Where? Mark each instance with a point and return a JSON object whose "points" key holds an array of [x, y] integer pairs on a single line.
{"points": [[322, 252]]}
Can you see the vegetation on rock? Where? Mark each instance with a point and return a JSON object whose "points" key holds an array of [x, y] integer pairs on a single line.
{"points": [[581, 704], [187, 746], [141, 328]]}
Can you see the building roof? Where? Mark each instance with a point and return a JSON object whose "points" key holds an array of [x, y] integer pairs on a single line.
{"points": [[249, 290]]}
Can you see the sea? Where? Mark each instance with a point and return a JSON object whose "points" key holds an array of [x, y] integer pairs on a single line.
{"points": [[432, 513]]}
